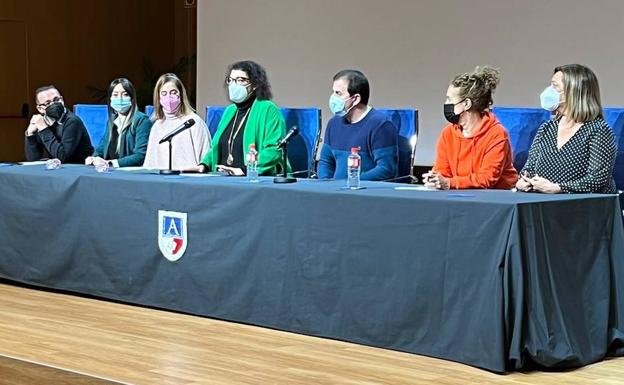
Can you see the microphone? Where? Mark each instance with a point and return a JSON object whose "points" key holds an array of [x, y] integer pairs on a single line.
{"points": [[178, 130], [293, 132]]}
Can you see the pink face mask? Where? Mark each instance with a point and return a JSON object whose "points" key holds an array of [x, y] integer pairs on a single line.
{"points": [[170, 103]]}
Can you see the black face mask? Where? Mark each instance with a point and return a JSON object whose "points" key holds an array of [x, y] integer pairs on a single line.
{"points": [[449, 112], [55, 110]]}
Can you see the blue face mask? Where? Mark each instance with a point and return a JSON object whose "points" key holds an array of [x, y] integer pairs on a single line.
{"points": [[550, 99], [238, 93], [337, 105], [121, 104]]}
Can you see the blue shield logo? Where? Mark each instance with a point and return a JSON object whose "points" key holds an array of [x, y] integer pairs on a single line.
{"points": [[172, 234]]}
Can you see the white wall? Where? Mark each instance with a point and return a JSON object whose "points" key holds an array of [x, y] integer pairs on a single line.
{"points": [[409, 49]]}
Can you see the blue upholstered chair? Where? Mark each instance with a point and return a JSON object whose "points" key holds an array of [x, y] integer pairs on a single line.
{"points": [[213, 117], [406, 122], [95, 118], [522, 125], [615, 119]]}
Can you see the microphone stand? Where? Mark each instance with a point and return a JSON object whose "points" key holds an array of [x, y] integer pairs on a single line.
{"points": [[317, 143], [413, 141], [169, 171], [284, 178]]}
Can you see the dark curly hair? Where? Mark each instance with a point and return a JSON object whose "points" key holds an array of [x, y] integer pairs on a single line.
{"points": [[257, 75]]}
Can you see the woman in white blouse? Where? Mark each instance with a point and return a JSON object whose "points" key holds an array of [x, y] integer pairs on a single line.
{"points": [[171, 110]]}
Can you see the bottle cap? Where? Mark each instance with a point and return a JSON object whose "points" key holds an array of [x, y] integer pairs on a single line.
{"points": [[354, 150]]}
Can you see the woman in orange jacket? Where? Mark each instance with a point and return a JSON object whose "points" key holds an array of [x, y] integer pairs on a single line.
{"points": [[473, 151]]}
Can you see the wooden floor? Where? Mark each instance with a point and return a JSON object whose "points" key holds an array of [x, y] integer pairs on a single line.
{"points": [[18, 372], [46, 333]]}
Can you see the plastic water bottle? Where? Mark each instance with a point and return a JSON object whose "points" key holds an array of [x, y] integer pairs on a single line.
{"points": [[353, 169], [252, 164]]}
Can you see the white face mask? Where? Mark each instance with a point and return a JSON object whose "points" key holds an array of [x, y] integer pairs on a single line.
{"points": [[550, 99], [238, 93]]}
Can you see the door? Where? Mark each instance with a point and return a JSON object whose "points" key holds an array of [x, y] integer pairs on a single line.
{"points": [[14, 98]]}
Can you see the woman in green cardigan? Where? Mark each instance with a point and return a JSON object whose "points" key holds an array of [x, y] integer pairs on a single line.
{"points": [[252, 119]]}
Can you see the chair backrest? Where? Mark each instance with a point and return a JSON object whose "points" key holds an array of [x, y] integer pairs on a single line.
{"points": [[522, 124], [301, 147], [615, 119], [213, 117], [406, 122], [95, 118]]}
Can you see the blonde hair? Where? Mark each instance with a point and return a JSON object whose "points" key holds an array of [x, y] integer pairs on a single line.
{"points": [[478, 86], [581, 93], [185, 106]]}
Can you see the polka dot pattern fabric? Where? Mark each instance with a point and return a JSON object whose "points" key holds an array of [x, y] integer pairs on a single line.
{"points": [[584, 164]]}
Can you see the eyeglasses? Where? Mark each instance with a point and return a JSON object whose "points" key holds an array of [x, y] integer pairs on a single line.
{"points": [[240, 81], [47, 103]]}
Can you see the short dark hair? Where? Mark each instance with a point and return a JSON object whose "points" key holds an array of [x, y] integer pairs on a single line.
{"points": [[42, 89], [257, 77], [357, 83]]}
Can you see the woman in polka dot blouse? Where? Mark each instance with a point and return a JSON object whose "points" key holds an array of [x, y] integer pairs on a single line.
{"points": [[575, 151]]}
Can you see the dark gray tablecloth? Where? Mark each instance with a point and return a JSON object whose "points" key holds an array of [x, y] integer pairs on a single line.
{"points": [[494, 279]]}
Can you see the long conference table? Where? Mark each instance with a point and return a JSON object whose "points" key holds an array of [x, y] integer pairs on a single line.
{"points": [[494, 279]]}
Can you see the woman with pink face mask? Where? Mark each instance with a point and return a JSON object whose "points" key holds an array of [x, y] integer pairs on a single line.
{"points": [[171, 110]]}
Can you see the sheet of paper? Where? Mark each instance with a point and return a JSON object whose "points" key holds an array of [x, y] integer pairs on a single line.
{"points": [[415, 188], [33, 163]]}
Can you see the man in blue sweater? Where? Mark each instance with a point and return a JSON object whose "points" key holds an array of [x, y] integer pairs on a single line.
{"points": [[356, 124]]}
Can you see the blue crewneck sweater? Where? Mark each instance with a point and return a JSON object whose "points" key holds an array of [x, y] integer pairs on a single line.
{"points": [[377, 138]]}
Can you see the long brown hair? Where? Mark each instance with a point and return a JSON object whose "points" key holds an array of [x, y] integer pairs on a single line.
{"points": [[185, 106], [581, 92]]}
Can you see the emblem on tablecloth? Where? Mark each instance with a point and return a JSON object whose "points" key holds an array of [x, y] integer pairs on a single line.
{"points": [[172, 234]]}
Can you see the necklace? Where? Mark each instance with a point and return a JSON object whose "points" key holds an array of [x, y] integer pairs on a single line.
{"points": [[230, 157]]}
